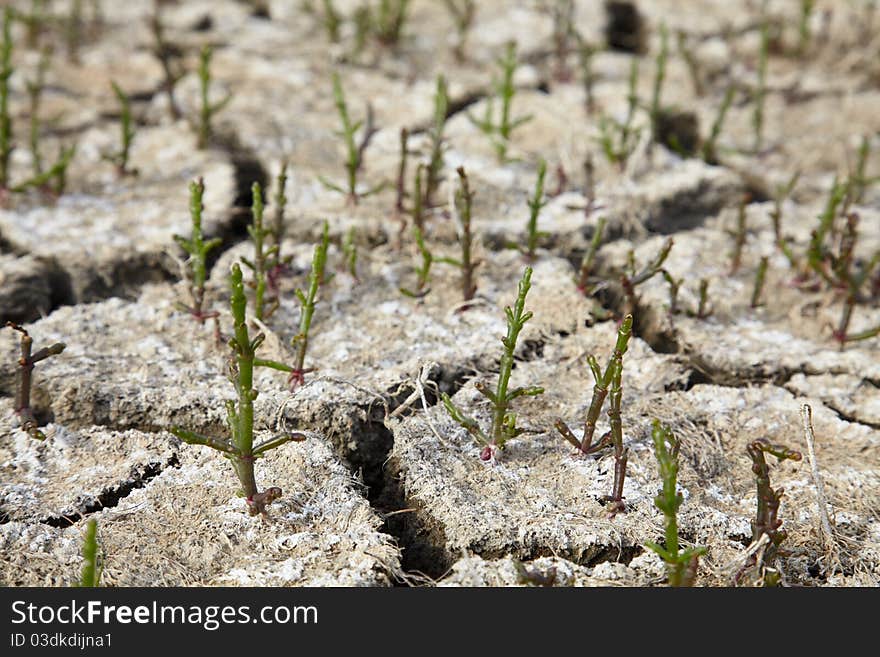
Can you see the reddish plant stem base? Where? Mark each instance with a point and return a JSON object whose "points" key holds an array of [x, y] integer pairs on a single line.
{"points": [[298, 377], [258, 502]]}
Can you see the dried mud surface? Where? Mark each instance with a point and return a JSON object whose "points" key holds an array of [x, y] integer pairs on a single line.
{"points": [[387, 489]]}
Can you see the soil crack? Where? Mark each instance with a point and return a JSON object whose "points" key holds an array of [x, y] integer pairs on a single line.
{"points": [[112, 496]]}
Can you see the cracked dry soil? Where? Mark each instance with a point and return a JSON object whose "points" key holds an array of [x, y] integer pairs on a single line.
{"points": [[387, 489]]}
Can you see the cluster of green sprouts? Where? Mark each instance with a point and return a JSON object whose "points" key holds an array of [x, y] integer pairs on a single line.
{"points": [[830, 256], [53, 179], [466, 263], [681, 565], [26, 363], [239, 446], [839, 268], [383, 23], [618, 139], [503, 426]]}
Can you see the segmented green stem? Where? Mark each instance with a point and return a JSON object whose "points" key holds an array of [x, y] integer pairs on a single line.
{"points": [[5, 120], [760, 276], [463, 200], [536, 203], [681, 567], [262, 255], [90, 576], [208, 110], [503, 421], [307, 300], [198, 250], [435, 165]]}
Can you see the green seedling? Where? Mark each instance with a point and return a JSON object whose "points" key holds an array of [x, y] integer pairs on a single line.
{"points": [[631, 278], [562, 13], [674, 287], [767, 520], [263, 254], [198, 249], [208, 109], [239, 446], [35, 93], [463, 200], [703, 309], [615, 500], [851, 278], [618, 140], [350, 253], [589, 186], [586, 52], [603, 382], [760, 276], [739, 235], [463, 13], [782, 192], [332, 20], [536, 203], [804, 33], [329, 17], [423, 271], [839, 269], [73, 30], [710, 146], [35, 22], [307, 300], [503, 420], [355, 151], [681, 565], [760, 93], [25, 377], [5, 120], [169, 59], [693, 65], [90, 575], [435, 165], [401, 176], [120, 158], [54, 179], [499, 133], [363, 28], [389, 21], [418, 211], [659, 77], [585, 279], [277, 265], [859, 181]]}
